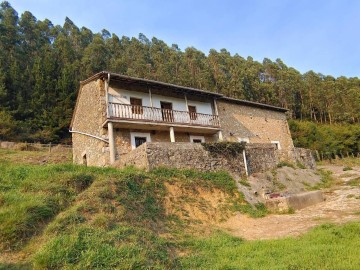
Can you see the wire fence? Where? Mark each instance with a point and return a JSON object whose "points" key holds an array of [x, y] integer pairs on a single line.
{"points": [[25, 146]]}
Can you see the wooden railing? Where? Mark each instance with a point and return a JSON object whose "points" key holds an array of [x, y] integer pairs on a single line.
{"points": [[142, 113]]}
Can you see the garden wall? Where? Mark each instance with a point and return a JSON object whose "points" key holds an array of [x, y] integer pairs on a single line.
{"points": [[148, 156]]}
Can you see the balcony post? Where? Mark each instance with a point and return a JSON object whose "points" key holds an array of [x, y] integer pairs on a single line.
{"points": [[220, 135], [111, 142], [150, 98], [172, 134]]}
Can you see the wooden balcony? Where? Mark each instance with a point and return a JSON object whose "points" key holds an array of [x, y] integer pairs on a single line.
{"points": [[149, 114]]}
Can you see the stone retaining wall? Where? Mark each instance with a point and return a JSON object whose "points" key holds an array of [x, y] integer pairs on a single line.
{"points": [[148, 156], [261, 157], [305, 157]]}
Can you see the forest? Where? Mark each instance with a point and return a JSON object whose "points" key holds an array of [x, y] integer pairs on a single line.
{"points": [[41, 65]]}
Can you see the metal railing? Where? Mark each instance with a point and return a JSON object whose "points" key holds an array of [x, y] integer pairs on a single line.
{"points": [[143, 113]]}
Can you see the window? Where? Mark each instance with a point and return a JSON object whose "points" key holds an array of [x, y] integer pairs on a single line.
{"points": [[192, 112], [138, 138], [139, 141], [244, 140], [277, 145], [136, 105], [197, 139]]}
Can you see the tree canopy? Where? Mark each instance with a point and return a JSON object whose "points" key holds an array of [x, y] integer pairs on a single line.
{"points": [[41, 65]]}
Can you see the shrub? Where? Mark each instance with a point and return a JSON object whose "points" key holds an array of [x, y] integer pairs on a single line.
{"points": [[285, 164]]}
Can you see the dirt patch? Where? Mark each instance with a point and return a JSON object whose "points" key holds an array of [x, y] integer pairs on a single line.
{"points": [[342, 204], [196, 203]]}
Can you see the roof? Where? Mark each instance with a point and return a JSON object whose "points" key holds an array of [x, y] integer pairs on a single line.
{"points": [[254, 104], [174, 87], [179, 88]]}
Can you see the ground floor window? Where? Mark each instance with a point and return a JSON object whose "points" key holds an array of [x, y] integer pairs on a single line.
{"points": [[138, 138], [244, 140], [277, 145], [197, 139]]}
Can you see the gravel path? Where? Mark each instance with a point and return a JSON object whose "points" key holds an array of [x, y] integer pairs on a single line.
{"points": [[342, 204]]}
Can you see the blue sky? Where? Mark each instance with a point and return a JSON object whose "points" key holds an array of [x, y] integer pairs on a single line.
{"points": [[318, 35]]}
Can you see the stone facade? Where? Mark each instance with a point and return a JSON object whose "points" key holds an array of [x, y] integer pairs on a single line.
{"points": [[259, 125], [89, 114], [193, 156], [123, 138]]}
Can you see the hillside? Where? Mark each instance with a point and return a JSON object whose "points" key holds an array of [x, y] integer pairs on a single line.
{"points": [[41, 65], [63, 216]]}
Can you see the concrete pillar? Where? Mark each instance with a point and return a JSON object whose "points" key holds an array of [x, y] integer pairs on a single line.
{"points": [[186, 103], [172, 134], [150, 97], [220, 136], [111, 142]]}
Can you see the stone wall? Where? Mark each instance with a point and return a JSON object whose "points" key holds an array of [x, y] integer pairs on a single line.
{"points": [[258, 124], [90, 112], [186, 156], [261, 157], [193, 156], [137, 158], [305, 157]]}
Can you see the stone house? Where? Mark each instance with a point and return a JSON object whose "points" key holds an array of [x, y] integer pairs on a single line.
{"points": [[115, 114]]}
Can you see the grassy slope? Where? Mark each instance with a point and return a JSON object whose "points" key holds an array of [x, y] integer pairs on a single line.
{"points": [[325, 247], [72, 217]]}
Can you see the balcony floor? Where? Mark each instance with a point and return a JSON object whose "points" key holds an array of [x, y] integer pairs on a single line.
{"points": [[144, 125]]}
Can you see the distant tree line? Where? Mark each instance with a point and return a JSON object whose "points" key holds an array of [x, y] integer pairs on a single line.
{"points": [[328, 140], [41, 65]]}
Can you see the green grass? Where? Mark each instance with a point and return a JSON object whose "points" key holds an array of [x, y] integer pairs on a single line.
{"points": [[244, 182], [347, 162], [73, 217], [325, 247], [30, 196], [347, 168], [354, 182], [326, 180], [285, 164]]}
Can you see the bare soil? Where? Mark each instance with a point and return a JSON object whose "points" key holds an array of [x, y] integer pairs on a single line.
{"points": [[342, 205]]}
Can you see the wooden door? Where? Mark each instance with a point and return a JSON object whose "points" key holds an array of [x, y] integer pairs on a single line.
{"points": [[136, 105], [192, 112], [166, 111]]}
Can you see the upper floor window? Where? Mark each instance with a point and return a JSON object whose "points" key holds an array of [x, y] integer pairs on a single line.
{"points": [[192, 112], [136, 105]]}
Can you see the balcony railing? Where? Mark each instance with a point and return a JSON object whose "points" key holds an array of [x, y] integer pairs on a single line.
{"points": [[150, 114]]}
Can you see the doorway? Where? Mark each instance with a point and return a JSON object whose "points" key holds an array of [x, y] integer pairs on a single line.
{"points": [[166, 111]]}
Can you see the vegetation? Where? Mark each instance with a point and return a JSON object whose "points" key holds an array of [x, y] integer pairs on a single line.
{"points": [[41, 65], [325, 247], [326, 180], [70, 216], [64, 216], [285, 164], [328, 140], [227, 149], [354, 182]]}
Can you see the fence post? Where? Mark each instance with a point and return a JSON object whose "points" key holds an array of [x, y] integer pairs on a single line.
{"points": [[49, 147]]}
